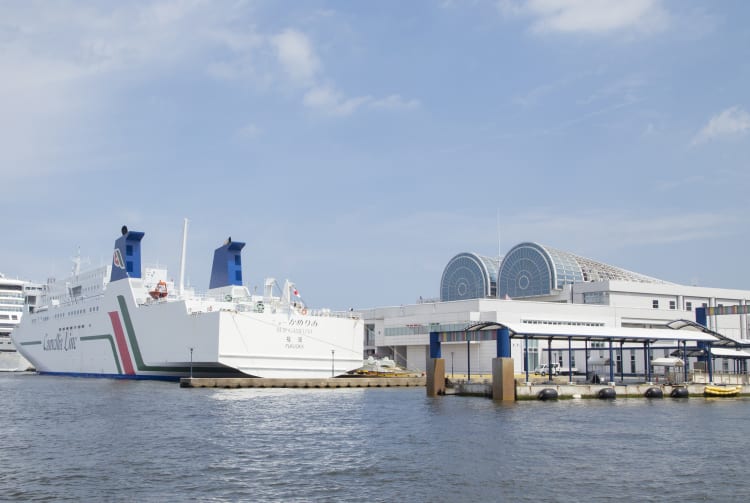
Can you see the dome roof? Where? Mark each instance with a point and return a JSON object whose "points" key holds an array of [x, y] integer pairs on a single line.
{"points": [[469, 276], [531, 270]]}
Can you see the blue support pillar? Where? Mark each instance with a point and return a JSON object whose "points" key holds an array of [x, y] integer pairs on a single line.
{"points": [[647, 357], [435, 351], [710, 360], [503, 343], [685, 360], [586, 355], [549, 359], [611, 363], [622, 363], [526, 356], [570, 359]]}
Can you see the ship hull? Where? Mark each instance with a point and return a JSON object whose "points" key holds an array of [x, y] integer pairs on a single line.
{"points": [[120, 333]]}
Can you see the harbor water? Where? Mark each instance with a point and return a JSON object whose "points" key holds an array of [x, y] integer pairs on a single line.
{"points": [[78, 439]]}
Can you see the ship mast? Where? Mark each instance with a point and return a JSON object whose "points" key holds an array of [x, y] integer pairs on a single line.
{"points": [[182, 258]]}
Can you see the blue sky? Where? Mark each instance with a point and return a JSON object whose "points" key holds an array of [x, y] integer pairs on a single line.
{"points": [[357, 146]]}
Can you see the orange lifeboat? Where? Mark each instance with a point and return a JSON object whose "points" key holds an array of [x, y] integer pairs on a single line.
{"points": [[159, 291]]}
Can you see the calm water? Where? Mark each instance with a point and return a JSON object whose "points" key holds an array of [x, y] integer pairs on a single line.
{"points": [[75, 439]]}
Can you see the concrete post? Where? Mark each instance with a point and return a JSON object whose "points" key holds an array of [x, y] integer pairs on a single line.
{"points": [[503, 379], [435, 377]]}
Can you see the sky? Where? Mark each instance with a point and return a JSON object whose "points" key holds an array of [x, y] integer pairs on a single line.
{"points": [[356, 147]]}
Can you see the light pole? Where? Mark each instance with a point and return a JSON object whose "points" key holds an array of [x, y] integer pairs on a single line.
{"points": [[191, 363], [468, 356], [332, 366], [451, 364]]}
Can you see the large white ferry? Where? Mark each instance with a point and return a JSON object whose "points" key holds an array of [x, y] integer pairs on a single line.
{"points": [[120, 321], [12, 294]]}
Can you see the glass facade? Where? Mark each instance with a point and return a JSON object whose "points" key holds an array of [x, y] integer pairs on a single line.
{"points": [[528, 270], [469, 276]]}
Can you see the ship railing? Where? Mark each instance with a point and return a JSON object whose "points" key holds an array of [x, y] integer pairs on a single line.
{"points": [[67, 302], [247, 304]]}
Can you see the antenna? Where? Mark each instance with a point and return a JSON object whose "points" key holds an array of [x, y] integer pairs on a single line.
{"points": [[77, 263], [499, 250], [182, 258]]}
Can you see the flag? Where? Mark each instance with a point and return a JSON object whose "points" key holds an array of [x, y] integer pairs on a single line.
{"points": [[295, 292]]}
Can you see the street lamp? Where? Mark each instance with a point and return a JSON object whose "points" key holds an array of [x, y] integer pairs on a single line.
{"points": [[191, 363], [468, 356], [332, 366]]}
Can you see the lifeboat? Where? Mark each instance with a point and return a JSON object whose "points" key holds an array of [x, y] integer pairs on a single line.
{"points": [[159, 291]]}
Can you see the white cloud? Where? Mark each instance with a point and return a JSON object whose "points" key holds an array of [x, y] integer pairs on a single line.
{"points": [[395, 102], [296, 55], [248, 132], [589, 16], [732, 122], [64, 63], [332, 102]]}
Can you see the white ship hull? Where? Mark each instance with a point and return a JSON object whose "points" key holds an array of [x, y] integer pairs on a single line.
{"points": [[122, 331], [113, 335]]}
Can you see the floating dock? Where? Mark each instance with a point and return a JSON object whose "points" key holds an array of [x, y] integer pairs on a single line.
{"points": [[329, 382], [531, 391]]}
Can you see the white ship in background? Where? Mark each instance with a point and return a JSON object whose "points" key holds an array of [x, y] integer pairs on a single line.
{"points": [[115, 321], [15, 298]]}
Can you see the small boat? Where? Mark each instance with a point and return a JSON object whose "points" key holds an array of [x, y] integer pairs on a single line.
{"points": [[711, 390], [160, 291]]}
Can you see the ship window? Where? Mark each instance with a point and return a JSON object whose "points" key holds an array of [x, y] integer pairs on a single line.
{"points": [[688, 306], [672, 304], [655, 304], [237, 260], [238, 275], [129, 250]]}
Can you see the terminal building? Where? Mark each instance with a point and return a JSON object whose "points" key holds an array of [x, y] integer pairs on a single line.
{"points": [[580, 315]]}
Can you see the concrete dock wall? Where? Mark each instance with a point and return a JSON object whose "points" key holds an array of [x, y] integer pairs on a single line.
{"points": [[530, 391], [335, 382]]}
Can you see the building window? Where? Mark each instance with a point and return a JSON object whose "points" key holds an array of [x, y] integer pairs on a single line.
{"points": [[672, 304], [655, 303], [688, 306]]}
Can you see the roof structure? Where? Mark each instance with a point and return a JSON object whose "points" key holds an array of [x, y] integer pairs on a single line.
{"points": [[533, 270], [469, 276]]}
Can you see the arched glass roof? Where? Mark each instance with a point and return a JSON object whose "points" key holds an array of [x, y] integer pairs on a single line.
{"points": [[531, 269], [469, 276]]}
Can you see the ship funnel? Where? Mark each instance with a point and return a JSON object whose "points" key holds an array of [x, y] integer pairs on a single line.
{"points": [[126, 260], [227, 268]]}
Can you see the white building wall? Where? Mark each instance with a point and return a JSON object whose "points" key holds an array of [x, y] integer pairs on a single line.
{"points": [[629, 304]]}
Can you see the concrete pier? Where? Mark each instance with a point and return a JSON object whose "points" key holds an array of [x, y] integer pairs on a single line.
{"points": [[435, 379], [329, 382], [503, 382]]}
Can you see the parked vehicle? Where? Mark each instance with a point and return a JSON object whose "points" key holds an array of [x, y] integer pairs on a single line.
{"points": [[544, 369], [556, 369]]}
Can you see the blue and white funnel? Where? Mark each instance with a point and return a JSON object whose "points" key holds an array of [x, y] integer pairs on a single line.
{"points": [[126, 260], [227, 268]]}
